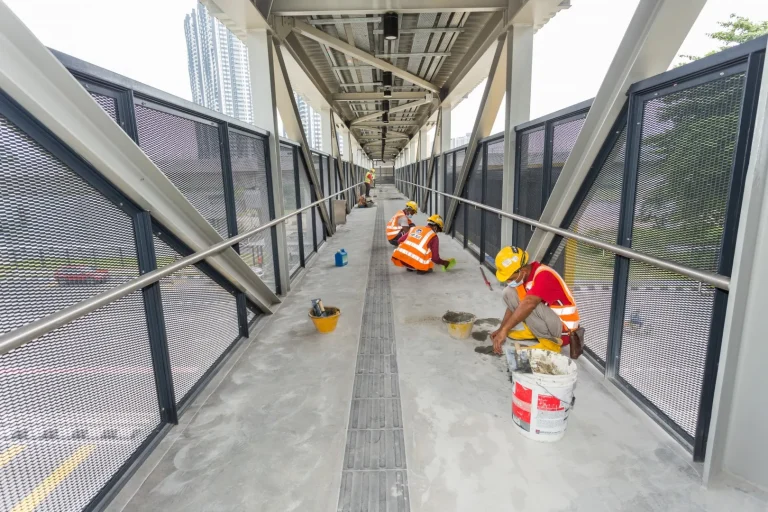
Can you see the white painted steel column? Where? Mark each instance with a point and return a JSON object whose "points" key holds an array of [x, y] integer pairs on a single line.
{"points": [[264, 104], [517, 110], [445, 146], [325, 122], [651, 41], [739, 414], [423, 143]]}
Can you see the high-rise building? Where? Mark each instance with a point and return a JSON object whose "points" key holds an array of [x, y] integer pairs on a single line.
{"points": [[218, 66], [311, 122]]}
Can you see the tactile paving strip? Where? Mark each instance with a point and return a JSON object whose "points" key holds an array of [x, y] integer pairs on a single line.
{"points": [[374, 477]]}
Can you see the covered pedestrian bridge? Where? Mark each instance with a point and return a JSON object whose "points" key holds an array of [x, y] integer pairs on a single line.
{"points": [[158, 261]]}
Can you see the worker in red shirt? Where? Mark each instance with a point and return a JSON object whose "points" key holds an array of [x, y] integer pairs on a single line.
{"points": [[540, 306], [419, 248]]}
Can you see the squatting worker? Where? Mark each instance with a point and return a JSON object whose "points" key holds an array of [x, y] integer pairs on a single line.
{"points": [[419, 248], [368, 180], [539, 304], [401, 222]]}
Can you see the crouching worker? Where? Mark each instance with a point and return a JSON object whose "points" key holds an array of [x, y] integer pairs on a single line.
{"points": [[540, 307], [419, 248], [401, 222]]}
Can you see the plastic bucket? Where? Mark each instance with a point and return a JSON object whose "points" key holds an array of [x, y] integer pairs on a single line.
{"points": [[326, 324], [459, 324], [542, 401]]}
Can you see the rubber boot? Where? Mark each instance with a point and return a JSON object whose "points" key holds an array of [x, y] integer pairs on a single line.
{"points": [[547, 344], [523, 334]]}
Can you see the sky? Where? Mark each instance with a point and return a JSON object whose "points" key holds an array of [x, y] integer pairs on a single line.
{"points": [[144, 40]]}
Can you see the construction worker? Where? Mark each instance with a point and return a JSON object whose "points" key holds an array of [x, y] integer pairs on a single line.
{"points": [[419, 248], [540, 307], [368, 181], [401, 222]]}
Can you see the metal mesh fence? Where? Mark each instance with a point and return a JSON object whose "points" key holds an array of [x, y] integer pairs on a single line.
{"points": [[290, 205], [249, 174], [459, 219], [686, 156], [528, 196], [200, 321], [307, 216], [493, 192], [81, 399], [564, 134], [107, 103], [319, 230], [188, 152], [589, 271], [448, 181], [475, 193]]}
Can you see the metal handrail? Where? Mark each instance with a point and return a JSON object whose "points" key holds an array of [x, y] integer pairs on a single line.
{"points": [[18, 337], [717, 280]]}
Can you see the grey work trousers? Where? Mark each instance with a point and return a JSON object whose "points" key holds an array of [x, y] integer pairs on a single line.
{"points": [[543, 322]]}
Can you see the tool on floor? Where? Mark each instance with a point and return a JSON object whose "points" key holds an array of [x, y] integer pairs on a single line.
{"points": [[341, 258], [451, 264], [482, 271], [521, 360], [317, 308]]}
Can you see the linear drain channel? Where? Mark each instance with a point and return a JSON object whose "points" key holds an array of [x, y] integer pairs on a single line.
{"points": [[374, 477]]}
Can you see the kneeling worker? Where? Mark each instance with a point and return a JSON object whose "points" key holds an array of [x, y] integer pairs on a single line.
{"points": [[401, 222], [419, 248], [539, 304]]}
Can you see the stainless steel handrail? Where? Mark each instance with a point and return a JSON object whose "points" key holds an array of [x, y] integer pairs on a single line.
{"points": [[22, 335], [716, 280]]}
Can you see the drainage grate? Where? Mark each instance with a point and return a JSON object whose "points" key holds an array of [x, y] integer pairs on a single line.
{"points": [[374, 475]]}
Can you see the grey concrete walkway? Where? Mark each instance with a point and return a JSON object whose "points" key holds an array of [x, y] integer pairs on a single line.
{"points": [[270, 433]]}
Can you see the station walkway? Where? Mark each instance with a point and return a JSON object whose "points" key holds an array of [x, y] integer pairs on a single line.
{"points": [[270, 432]]}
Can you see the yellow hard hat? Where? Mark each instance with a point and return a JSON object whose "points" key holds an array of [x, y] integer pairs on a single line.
{"points": [[437, 220], [413, 206], [508, 261]]}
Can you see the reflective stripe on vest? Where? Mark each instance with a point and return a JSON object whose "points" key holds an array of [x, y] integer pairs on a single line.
{"points": [[414, 251], [393, 228], [569, 315]]}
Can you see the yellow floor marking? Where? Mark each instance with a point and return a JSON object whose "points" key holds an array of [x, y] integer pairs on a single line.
{"points": [[8, 455], [52, 481]]}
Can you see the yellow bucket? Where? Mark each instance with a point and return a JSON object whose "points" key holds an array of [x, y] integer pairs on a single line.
{"points": [[459, 324], [326, 324]]}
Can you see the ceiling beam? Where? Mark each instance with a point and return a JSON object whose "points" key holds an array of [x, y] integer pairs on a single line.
{"points": [[363, 7], [393, 110], [393, 123], [377, 96], [323, 38], [432, 30], [408, 55], [334, 21], [292, 44]]}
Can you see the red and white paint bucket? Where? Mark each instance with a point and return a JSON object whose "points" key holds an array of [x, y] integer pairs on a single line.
{"points": [[542, 402]]}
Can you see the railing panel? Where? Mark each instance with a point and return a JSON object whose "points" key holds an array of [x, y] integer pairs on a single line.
{"points": [[460, 211], [189, 154], [474, 188], [564, 134], [200, 321], [288, 174], [307, 217], [493, 192], [530, 183], [448, 180], [252, 203]]}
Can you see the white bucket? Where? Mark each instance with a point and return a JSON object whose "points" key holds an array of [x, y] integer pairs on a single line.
{"points": [[541, 402]]}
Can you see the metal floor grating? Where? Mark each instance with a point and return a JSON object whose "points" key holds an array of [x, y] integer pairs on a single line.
{"points": [[374, 477]]}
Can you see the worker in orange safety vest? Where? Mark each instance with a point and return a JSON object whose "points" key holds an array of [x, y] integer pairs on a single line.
{"points": [[401, 222], [419, 247], [369, 176], [540, 306]]}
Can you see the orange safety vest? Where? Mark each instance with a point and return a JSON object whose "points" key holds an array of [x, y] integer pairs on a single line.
{"points": [[393, 227], [569, 314], [368, 178], [414, 251]]}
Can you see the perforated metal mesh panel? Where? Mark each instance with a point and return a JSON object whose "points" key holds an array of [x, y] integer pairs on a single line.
{"points": [[564, 134], [459, 219], [587, 270], [188, 153], [306, 216], [686, 155], [82, 398], [448, 181], [249, 173], [529, 195], [107, 103], [319, 229], [475, 193], [289, 204], [493, 191], [200, 321]]}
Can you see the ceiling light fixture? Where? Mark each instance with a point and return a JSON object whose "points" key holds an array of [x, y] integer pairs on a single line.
{"points": [[385, 117], [391, 23], [386, 79], [387, 93]]}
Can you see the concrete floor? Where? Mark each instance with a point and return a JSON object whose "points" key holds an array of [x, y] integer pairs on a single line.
{"points": [[269, 435]]}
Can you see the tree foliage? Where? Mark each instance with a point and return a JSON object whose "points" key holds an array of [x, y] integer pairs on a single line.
{"points": [[735, 31]]}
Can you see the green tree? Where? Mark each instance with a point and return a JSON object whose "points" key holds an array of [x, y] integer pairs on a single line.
{"points": [[687, 149]]}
